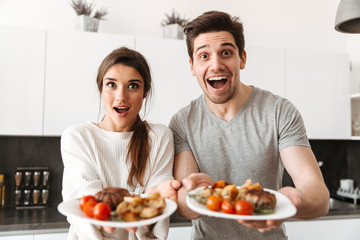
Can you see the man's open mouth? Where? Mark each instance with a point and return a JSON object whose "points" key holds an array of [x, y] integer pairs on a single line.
{"points": [[217, 82], [121, 109]]}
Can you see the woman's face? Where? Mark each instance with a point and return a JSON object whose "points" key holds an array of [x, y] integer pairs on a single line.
{"points": [[123, 93]]}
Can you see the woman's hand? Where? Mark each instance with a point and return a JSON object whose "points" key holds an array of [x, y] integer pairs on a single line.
{"points": [[167, 189]]}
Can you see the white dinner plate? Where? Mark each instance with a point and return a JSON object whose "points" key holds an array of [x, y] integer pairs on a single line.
{"points": [[72, 209], [284, 208]]}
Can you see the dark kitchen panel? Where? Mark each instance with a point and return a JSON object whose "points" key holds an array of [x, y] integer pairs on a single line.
{"points": [[31, 152]]}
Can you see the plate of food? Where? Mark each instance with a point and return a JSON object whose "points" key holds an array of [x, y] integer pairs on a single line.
{"points": [[246, 202], [116, 207]]}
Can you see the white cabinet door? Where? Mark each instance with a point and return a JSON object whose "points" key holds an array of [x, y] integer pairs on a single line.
{"points": [[296, 230], [22, 61], [179, 233], [265, 68], [17, 237], [317, 83], [51, 236], [334, 229], [174, 86], [72, 61]]}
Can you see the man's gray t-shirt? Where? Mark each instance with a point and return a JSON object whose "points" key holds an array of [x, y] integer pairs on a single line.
{"points": [[246, 147]]}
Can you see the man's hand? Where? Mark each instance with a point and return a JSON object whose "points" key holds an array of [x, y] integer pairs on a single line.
{"points": [[267, 225], [197, 180], [167, 189]]}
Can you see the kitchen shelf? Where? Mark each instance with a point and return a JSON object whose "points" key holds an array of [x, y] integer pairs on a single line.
{"points": [[355, 96], [355, 114]]}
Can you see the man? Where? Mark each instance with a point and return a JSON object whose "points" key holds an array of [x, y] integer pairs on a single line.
{"points": [[234, 132]]}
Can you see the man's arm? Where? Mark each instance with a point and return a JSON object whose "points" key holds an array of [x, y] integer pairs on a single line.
{"points": [[187, 171], [310, 196]]}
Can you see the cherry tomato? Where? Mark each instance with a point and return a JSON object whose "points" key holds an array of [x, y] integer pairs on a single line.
{"points": [[102, 211], [89, 208], [227, 207], [213, 203], [244, 207], [86, 199]]}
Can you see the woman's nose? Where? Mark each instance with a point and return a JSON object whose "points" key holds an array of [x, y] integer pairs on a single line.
{"points": [[121, 95]]}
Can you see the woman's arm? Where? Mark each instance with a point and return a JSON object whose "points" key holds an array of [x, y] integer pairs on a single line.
{"points": [[187, 171]]}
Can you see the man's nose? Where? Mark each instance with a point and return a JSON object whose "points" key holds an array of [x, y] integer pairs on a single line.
{"points": [[216, 64]]}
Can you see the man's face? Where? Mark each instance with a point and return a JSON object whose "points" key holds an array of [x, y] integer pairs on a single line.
{"points": [[216, 64]]}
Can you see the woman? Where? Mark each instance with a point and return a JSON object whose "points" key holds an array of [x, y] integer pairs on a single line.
{"points": [[121, 150]]}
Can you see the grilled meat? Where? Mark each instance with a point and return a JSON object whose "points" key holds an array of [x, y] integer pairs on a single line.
{"points": [[263, 201], [112, 196]]}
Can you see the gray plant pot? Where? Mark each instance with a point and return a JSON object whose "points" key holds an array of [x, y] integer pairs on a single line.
{"points": [[86, 23], [173, 31]]}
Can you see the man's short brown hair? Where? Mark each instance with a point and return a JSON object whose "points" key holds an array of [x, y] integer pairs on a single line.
{"points": [[214, 21]]}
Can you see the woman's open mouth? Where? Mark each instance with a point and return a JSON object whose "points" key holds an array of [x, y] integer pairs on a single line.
{"points": [[121, 110]]}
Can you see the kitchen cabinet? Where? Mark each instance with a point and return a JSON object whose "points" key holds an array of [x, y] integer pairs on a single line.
{"points": [[56, 87], [173, 84], [22, 62], [355, 116], [265, 69], [42, 236], [72, 61], [52, 236], [179, 233], [324, 229], [18, 237], [318, 84]]}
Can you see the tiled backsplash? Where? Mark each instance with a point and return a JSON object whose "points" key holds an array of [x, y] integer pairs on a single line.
{"points": [[31, 152], [341, 159]]}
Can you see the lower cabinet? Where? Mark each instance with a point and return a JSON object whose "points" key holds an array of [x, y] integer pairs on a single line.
{"points": [[324, 229], [52, 236], [179, 233], [45, 236], [17, 237]]}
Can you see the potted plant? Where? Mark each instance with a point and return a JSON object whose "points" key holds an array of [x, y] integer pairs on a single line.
{"points": [[84, 21], [173, 25]]}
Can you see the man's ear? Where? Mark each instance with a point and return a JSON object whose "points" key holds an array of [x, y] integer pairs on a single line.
{"points": [[243, 60], [192, 67]]}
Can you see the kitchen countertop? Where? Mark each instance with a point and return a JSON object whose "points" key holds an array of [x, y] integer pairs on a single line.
{"points": [[49, 220]]}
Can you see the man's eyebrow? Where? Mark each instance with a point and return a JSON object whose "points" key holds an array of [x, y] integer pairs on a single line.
{"points": [[223, 44], [203, 46], [228, 44]]}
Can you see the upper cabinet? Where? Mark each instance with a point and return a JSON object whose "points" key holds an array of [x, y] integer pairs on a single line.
{"points": [[22, 69], [355, 116], [317, 83], [265, 69], [48, 81], [72, 61], [174, 86]]}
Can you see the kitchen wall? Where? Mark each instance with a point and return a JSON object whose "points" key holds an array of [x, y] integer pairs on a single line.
{"points": [[278, 23], [305, 24]]}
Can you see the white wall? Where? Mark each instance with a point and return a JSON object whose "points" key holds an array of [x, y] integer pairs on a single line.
{"points": [[283, 23], [305, 24]]}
